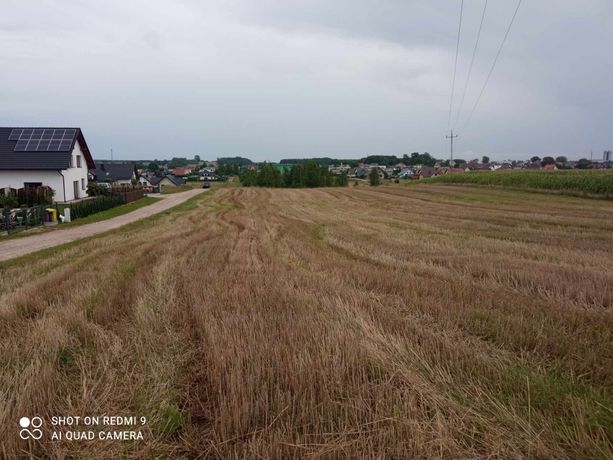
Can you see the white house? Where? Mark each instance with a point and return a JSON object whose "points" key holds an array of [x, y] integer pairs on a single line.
{"points": [[208, 176], [405, 173], [55, 157], [144, 181]]}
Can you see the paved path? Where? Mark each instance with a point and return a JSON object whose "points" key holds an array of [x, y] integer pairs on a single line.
{"points": [[22, 246]]}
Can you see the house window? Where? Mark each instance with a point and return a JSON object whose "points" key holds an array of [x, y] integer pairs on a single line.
{"points": [[78, 161], [30, 185], [82, 184]]}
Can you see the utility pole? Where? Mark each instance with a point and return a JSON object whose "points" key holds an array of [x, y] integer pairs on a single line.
{"points": [[111, 154], [452, 137]]}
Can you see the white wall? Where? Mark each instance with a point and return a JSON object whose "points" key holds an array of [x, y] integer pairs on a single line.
{"points": [[53, 179], [15, 179], [75, 174]]}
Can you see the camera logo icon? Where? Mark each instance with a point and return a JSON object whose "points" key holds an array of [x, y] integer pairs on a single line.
{"points": [[30, 428]]}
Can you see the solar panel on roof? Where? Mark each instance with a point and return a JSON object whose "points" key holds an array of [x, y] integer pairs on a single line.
{"points": [[15, 133], [42, 140], [20, 146]]}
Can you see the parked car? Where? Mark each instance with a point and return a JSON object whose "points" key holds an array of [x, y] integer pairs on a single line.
{"points": [[206, 185]]}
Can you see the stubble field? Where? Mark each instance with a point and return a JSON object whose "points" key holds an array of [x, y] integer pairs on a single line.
{"points": [[406, 322]]}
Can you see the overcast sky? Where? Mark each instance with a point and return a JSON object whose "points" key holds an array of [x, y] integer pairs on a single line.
{"points": [[272, 79]]}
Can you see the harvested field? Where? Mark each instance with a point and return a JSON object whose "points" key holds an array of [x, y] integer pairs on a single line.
{"points": [[407, 322]]}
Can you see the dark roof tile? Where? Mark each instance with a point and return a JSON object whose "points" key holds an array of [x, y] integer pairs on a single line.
{"points": [[11, 160]]}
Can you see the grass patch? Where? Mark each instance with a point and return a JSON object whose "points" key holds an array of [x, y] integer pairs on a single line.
{"points": [[113, 212], [171, 420], [97, 217], [575, 182], [142, 223], [167, 190], [319, 232]]}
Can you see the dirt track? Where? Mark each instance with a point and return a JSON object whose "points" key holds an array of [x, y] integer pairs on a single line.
{"points": [[22, 246]]}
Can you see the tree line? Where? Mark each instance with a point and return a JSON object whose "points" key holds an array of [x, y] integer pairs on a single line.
{"points": [[414, 158], [307, 174]]}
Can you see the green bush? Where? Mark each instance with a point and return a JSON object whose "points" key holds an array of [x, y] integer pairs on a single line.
{"points": [[100, 203], [374, 177], [8, 201], [35, 196], [95, 189]]}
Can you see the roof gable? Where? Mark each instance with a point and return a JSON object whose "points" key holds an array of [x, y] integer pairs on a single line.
{"points": [[175, 180], [114, 172]]}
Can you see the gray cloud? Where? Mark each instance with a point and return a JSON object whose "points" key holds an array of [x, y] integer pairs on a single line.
{"points": [[273, 79]]}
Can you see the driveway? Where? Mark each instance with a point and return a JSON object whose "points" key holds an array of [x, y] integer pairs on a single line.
{"points": [[22, 246]]}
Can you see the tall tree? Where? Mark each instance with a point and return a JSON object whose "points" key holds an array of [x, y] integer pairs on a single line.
{"points": [[548, 161], [374, 177], [584, 163]]}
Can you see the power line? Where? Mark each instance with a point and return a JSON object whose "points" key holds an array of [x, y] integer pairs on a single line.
{"points": [[455, 67], [472, 61], [492, 68]]}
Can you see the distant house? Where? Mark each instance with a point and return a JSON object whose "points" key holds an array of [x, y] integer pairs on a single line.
{"points": [[362, 173], [145, 181], [427, 171], [114, 173], [447, 170], [55, 157], [167, 181], [534, 165], [209, 176], [180, 171], [339, 169], [405, 173]]}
